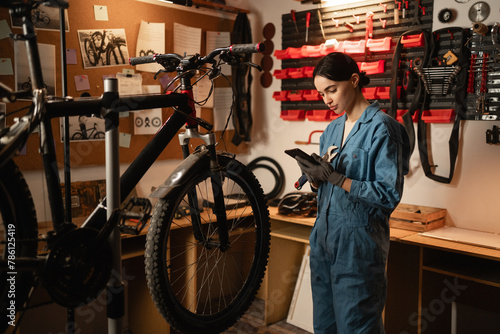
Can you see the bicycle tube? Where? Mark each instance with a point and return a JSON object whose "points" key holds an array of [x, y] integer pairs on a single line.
{"points": [[216, 298], [18, 220]]}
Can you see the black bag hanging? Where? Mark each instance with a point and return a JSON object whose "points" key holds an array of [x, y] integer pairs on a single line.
{"points": [[460, 107], [417, 99], [242, 79]]}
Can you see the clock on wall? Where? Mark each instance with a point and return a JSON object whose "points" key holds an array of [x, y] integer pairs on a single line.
{"points": [[479, 11]]}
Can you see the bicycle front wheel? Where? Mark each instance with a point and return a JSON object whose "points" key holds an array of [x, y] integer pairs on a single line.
{"points": [[18, 233], [197, 286]]}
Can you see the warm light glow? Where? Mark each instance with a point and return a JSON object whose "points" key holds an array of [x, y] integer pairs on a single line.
{"points": [[331, 3]]}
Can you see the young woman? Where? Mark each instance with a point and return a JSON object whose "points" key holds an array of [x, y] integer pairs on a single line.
{"points": [[359, 184]]}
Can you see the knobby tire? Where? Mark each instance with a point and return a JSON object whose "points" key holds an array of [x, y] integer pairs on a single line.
{"points": [[202, 289], [18, 225]]}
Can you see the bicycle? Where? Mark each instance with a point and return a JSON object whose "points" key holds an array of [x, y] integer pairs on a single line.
{"points": [[187, 256], [96, 46], [83, 134]]}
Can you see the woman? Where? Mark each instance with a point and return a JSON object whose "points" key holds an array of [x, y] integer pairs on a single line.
{"points": [[359, 185]]}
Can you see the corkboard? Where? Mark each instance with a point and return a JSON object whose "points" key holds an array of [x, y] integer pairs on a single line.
{"points": [[122, 15]]}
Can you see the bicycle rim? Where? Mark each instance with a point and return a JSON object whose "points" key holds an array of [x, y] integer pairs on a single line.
{"points": [[18, 233], [199, 288]]}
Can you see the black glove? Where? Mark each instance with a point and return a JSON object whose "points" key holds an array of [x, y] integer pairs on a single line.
{"points": [[321, 172]]}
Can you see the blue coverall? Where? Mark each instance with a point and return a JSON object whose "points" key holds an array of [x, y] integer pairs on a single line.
{"points": [[350, 238]]}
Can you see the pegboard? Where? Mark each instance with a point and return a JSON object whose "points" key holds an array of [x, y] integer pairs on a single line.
{"points": [[391, 20]]}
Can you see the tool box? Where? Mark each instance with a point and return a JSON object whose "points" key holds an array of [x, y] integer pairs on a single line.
{"points": [[417, 218]]}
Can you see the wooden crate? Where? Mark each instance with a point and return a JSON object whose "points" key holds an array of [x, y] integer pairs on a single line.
{"points": [[417, 218]]}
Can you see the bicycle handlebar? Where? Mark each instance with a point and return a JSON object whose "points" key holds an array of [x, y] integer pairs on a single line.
{"points": [[200, 61]]}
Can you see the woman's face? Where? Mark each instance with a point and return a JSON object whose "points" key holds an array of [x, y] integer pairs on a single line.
{"points": [[338, 95]]}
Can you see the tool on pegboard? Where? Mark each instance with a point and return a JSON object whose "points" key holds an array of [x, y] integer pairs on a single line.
{"points": [[493, 135], [309, 142], [321, 24], [308, 23], [294, 19], [397, 7]]}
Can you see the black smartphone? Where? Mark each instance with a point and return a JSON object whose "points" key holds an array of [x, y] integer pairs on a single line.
{"points": [[297, 152]]}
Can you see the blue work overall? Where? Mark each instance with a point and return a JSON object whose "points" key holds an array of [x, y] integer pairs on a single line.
{"points": [[350, 239]]}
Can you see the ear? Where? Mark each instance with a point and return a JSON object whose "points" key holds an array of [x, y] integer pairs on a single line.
{"points": [[355, 80]]}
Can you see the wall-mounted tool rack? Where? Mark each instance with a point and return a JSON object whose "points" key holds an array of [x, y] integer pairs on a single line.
{"points": [[484, 75], [343, 28]]}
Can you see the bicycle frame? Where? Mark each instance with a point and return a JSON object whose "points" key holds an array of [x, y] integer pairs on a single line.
{"points": [[108, 105]]}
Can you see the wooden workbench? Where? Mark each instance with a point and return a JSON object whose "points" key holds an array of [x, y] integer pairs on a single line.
{"points": [[421, 272]]}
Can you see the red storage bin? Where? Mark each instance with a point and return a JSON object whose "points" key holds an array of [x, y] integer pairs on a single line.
{"points": [[383, 93], [311, 51], [400, 113], [295, 95], [293, 115], [281, 96], [332, 47], [379, 45], [308, 71], [296, 73], [412, 41], [281, 54], [352, 47], [311, 95], [373, 67], [438, 115], [369, 93], [318, 115], [281, 74], [294, 53]]}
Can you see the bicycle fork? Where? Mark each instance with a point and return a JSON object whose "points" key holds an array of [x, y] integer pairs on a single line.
{"points": [[216, 178]]}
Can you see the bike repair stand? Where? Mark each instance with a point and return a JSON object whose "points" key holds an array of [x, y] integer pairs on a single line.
{"points": [[115, 293]]}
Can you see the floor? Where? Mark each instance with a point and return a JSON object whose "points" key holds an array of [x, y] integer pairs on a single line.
{"points": [[253, 322]]}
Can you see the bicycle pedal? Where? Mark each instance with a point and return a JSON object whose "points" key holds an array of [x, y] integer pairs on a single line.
{"points": [[135, 215]]}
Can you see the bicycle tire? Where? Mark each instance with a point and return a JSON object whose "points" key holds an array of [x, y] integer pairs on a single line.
{"points": [[110, 51], [77, 136], [17, 214], [248, 237], [99, 135], [91, 52]]}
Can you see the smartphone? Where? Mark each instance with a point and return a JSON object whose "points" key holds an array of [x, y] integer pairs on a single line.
{"points": [[297, 152]]}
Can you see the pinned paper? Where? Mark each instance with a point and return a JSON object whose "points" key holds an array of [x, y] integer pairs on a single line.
{"points": [[128, 71], [71, 56], [4, 29], [219, 39], [82, 82], [223, 100], [125, 139], [101, 13], [6, 66], [147, 122], [151, 40], [186, 39]]}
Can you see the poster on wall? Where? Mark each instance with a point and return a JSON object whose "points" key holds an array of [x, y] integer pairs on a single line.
{"points": [[44, 18], [48, 60], [100, 48], [151, 40], [83, 128]]}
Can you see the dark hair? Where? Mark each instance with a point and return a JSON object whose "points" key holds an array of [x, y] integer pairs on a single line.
{"points": [[338, 66]]}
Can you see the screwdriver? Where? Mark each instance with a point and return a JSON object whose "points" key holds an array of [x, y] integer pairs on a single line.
{"points": [[294, 20], [308, 21], [321, 24]]}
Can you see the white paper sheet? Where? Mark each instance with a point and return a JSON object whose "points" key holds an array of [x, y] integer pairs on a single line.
{"points": [[129, 84], [219, 39], [223, 99], [187, 40], [151, 40], [466, 236], [48, 60]]}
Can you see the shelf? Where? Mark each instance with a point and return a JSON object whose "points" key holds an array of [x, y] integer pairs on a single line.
{"points": [[213, 5]]}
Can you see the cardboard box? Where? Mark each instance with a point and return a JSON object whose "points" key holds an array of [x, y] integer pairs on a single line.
{"points": [[417, 218]]}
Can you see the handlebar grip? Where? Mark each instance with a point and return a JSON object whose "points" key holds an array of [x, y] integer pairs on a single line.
{"points": [[142, 60], [247, 48]]}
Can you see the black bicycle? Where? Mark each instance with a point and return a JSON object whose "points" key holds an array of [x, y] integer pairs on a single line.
{"points": [[211, 218]]}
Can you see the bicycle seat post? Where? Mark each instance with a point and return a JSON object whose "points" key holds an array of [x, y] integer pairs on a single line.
{"points": [[115, 306]]}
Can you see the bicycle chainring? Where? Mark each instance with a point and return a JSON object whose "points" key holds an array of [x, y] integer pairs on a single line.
{"points": [[75, 270]]}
